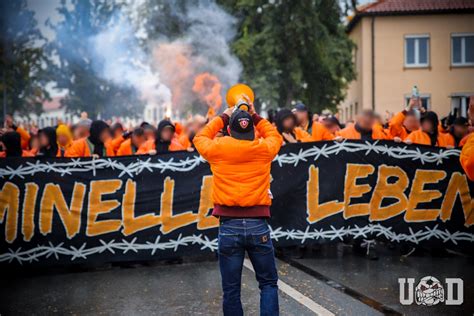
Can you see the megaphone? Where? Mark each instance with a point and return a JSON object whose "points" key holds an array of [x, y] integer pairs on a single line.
{"points": [[236, 96]]}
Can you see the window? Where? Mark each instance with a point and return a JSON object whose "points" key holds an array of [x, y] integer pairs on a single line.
{"points": [[459, 105], [425, 100], [462, 49], [417, 50]]}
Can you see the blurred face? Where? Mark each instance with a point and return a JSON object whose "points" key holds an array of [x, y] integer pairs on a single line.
{"points": [[43, 140], [427, 126], [105, 135], [301, 117], [138, 140], [81, 132], [149, 133], [34, 143], [62, 140], [333, 128], [460, 130], [288, 124], [118, 132], [365, 121], [411, 123], [167, 134]]}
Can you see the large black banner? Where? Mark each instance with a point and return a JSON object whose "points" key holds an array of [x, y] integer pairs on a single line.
{"points": [[151, 207]]}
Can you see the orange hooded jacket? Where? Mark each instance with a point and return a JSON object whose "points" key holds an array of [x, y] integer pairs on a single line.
{"points": [[150, 145], [350, 132], [82, 148], [467, 157], [240, 168], [319, 132], [422, 138]]}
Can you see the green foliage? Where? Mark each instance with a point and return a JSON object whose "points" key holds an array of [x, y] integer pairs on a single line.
{"points": [[22, 59], [293, 50], [75, 72]]}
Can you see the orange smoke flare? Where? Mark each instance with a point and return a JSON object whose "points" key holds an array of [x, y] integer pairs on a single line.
{"points": [[208, 88]]}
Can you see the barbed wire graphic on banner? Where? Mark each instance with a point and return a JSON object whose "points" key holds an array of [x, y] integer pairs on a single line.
{"points": [[82, 252], [189, 163]]}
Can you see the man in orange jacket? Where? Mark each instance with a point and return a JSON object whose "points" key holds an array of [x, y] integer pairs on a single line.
{"points": [[364, 128], [95, 145], [405, 122], [133, 142], [240, 165]]}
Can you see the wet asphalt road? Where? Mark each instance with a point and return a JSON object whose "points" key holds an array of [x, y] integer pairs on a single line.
{"points": [[193, 288]]}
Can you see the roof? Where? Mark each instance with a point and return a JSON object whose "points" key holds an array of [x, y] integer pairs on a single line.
{"points": [[411, 7], [52, 105]]}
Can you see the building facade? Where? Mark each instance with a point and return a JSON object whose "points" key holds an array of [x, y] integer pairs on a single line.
{"points": [[401, 44]]}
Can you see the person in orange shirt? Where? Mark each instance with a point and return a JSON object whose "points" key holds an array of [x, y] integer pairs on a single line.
{"points": [[134, 141], [429, 134], [163, 142], [118, 136], [64, 136], [96, 145], [150, 131], [331, 123], [10, 144], [405, 122], [285, 122], [363, 128], [48, 143], [240, 165], [320, 133]]}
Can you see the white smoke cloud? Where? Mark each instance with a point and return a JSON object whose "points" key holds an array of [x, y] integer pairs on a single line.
{"points": [[164, 72]]}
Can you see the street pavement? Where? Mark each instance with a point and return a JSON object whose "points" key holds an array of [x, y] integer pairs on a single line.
{"points": [[332, 280]]}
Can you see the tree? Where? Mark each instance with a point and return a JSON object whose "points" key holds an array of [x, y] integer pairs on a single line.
{"points": [[293, 50], [76, 69], [22, 59]]}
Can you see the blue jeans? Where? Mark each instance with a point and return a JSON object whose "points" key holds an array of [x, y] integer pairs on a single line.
{"points": [[252, 235]]}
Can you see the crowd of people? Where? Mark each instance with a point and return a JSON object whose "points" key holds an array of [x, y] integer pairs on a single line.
{"points": [[97, 138]]}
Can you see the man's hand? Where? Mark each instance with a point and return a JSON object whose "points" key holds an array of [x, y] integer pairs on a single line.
{"points": [[95, 156], [338, 139], [152, 152], [414, 104], [289, 138], [250, 103], [408, 141], [397, 139]]}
